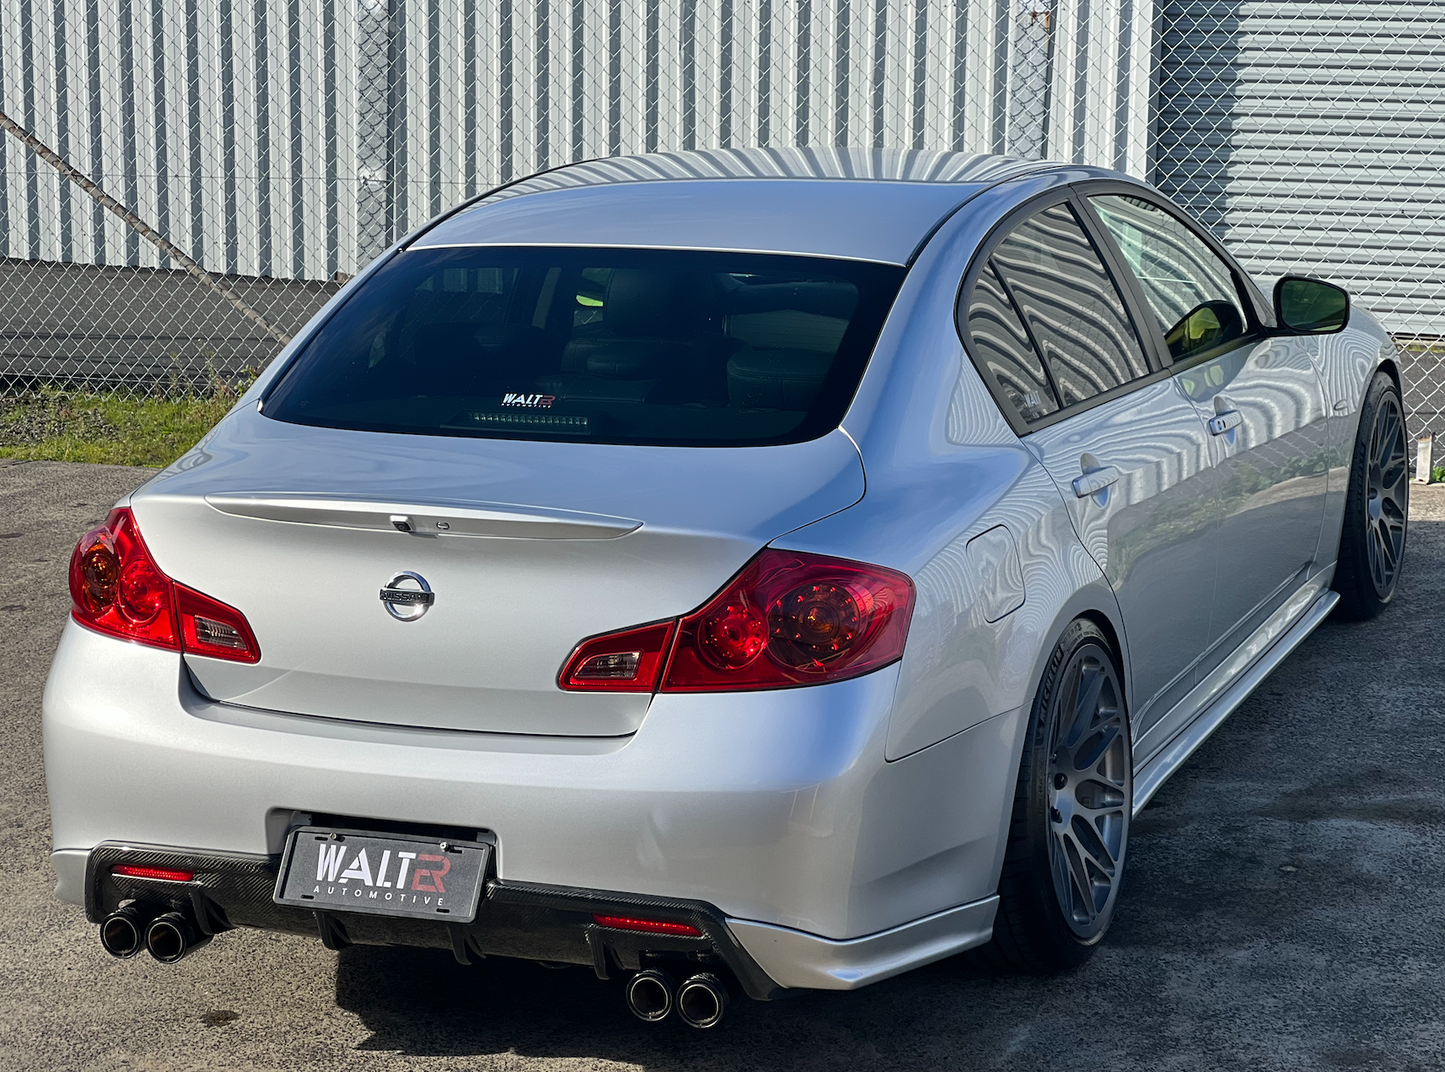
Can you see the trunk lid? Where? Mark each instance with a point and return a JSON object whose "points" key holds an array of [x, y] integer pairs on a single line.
{"points": [[528, 548]]}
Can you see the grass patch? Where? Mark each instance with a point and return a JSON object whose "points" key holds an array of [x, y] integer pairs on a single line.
{"points": [[68, 426]]}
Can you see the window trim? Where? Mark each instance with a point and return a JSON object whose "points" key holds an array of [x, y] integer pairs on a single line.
{"points": [[1258, 315], [1013, 303], [983, 255]]}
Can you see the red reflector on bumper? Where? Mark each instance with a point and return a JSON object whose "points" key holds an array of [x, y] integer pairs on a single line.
{"points": [[165, 874], [648, 926]]}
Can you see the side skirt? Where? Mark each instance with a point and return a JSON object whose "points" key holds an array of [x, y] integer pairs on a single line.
{"points": [[1156, 770]]}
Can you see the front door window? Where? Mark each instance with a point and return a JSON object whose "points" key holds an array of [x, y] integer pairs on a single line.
{"points": [[1190, 291]]}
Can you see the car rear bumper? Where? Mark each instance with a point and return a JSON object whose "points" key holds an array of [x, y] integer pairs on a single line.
{"points": [[776, 811], [526, 920]]}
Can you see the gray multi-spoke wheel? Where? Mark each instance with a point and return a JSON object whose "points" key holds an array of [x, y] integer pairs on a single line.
{"points": [[1377, 506], [1089, 787], [1070, 825], [1387, 489]]}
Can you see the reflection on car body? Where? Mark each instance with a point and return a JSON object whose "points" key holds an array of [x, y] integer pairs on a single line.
{"points": [[802, 568]]}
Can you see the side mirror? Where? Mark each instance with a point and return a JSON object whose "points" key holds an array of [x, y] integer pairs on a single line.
{"points": [[1310, 306]]}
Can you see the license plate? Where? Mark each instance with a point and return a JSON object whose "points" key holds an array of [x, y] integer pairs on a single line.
{"points": [[382, 874]]}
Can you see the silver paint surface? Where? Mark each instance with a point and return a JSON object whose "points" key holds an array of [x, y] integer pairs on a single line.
{"points": [[826, 814]]}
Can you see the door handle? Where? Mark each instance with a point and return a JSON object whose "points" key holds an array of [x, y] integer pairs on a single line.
{"points": [[1095, 481], [1226, 421]]}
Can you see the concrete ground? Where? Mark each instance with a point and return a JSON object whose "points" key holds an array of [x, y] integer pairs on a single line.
{"points": [[1284, 908]]}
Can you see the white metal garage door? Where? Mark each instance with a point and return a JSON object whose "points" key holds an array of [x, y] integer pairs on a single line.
{"points": [[1311, 135]]}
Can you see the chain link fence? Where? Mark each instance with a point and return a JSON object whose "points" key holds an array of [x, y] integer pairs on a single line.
{"points": [[184, 182]]}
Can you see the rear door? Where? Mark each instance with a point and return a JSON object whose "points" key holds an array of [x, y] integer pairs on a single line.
{"points": [[1260, 398], [1049, 328]]}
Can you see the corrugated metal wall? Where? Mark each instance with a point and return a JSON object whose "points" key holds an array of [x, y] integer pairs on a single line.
{"points": [[1311, 135], [289, 140], [295, 138], [228, 125]]}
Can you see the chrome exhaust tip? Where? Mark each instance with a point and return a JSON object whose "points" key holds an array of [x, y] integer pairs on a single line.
{"points": [[650, 995], [122, 933], [702, 1001], [172, 936]]}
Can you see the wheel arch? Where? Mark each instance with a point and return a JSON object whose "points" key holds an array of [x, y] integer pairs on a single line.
{"points": [[1106, 627], [1095, 603], [1391, 367]]}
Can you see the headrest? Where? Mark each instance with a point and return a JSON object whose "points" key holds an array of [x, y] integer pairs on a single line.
{"points": [[654, 303], [825, 297]]}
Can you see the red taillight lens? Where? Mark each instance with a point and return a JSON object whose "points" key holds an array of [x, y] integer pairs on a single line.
{"points": [[793, 619], [116, 588], [165, 874], [210, 627], [647, 926], [787, 619], [731, 633], [630, 661]]}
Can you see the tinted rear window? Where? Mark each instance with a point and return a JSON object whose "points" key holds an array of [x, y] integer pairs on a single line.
{"points": [[612, 346]]}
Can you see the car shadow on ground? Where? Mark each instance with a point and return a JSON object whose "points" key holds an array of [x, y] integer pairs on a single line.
{"points": [[422, 1003]]}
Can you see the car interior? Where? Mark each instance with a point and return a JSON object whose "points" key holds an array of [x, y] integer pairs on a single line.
{"points": [[625, 351]]}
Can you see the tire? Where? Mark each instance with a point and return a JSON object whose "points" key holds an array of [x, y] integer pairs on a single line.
{"points": [[1071, 811], [1377, 506]]}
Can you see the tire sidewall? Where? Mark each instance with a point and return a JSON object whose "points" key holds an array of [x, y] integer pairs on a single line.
{"points": [[1359, 600], [1070, 948]]}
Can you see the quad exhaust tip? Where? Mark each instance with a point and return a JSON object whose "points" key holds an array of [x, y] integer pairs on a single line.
{"points": [[167, 936], [651, 995], [123, 932], [172, 936], [702, 1001]]}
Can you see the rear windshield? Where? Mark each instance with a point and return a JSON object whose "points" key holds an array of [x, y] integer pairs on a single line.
{"points": [[612, 346]]}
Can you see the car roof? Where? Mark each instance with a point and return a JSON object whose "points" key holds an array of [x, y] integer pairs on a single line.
{"points": [[858, 204]]}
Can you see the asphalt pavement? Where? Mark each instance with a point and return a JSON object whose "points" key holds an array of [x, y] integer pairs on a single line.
{"points": [[1284, 906]]}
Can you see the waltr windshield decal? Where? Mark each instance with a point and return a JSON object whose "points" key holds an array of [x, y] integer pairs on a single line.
{"points": [[529, 401]]}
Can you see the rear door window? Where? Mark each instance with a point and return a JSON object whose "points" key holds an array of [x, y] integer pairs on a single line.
{"points": [[1002, 344], [616, 346], [1069, 302]]}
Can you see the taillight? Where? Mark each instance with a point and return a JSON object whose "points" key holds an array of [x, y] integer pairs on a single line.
{"points": [[787, 619], [630, 661], [210, 627], [116, 588], [792, 619]]}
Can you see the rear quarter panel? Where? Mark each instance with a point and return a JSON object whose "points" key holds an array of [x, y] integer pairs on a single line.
{"points": [[943, 469]]}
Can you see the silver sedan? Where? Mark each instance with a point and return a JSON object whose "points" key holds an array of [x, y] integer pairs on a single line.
{"points": [[729, 572]]}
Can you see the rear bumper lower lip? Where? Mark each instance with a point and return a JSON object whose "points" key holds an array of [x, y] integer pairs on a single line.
{"points": [[530, 920]]}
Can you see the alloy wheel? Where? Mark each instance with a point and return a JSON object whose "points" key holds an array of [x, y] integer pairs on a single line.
{"points": [[1387, 488], [1090, 791]]}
